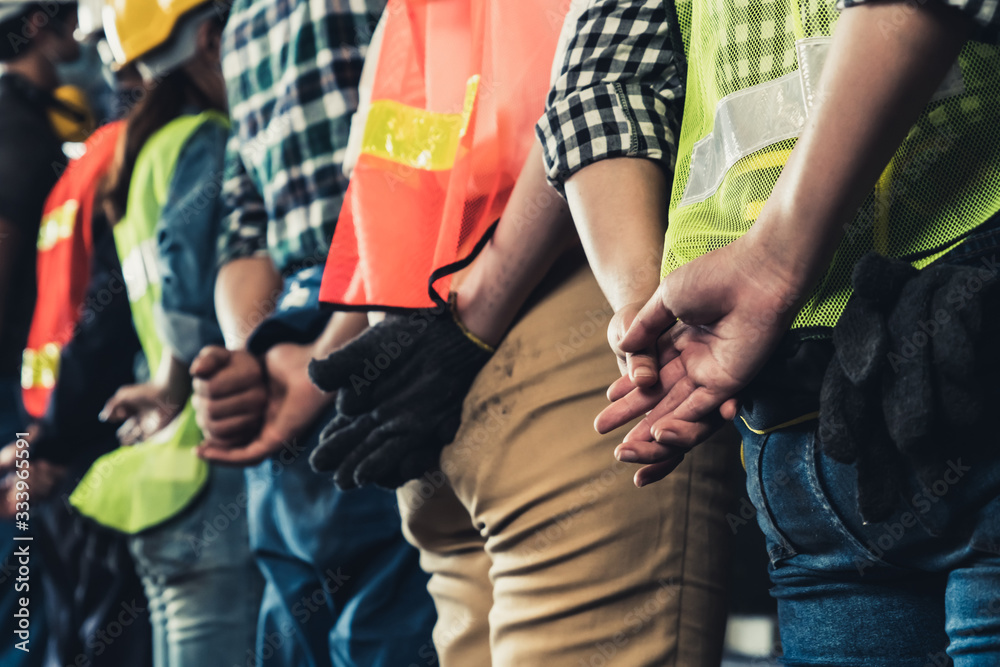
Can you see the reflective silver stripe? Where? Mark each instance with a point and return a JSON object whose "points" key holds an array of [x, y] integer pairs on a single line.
{"points": [[756, 117], [140, 269], [745, 122]]}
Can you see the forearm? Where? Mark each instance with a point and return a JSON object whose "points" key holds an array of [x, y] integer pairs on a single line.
{"points": [[875, 85], [620, 210], [341, 328], [173, 379], [245, 293], [533, 231]]}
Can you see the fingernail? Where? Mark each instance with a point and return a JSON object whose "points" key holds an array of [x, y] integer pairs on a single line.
{"points": [[644, 373], [663, 437], [626, 455]]}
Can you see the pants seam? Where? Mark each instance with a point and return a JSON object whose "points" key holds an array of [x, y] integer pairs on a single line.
{"points": [[680, 583]]}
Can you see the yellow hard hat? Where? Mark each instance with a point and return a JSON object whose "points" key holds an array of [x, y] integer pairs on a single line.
{"points": [[71, 116], [136, 28]]}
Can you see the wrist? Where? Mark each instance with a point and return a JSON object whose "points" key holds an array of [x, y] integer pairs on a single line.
{"points": [[481, 313], [794, 246], [479, 341]]}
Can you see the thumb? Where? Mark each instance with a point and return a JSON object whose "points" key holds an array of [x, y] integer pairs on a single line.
{"points": [[210, 361], [281, 431], [640, 365], [268, 443], [124, 404], [649, 323], [335, 371]]}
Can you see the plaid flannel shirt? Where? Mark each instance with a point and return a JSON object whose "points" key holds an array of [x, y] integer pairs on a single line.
{"points": [[620, 92], [292, 70]]}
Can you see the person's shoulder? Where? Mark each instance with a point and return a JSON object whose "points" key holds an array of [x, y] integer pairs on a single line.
{"points": [[25, 139], [22, 122], [16, 114]]}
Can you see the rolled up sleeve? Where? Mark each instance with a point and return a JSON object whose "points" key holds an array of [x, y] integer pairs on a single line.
{"points": [[619, 92]]}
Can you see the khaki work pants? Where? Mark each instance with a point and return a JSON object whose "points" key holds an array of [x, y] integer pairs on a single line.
{"points": [[540, 548]]}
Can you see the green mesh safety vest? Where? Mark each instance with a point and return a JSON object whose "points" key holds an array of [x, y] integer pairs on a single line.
{"points": [[753, 70], [135, 488]]}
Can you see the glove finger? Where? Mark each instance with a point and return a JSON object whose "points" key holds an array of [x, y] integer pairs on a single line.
{"points": [[908, 398], [398, 461], [955, 338], [338, 440], [339, 422], [374, 439], [861, 340], [337, 370], [373, 453], [834, 409]]}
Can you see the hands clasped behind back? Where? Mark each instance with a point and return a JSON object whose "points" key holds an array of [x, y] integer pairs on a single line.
{"points": [[713, 323], [401, 387]]}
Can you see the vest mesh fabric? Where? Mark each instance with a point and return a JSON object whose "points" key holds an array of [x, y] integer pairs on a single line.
{"points": [[132, 489], [941, 184]]}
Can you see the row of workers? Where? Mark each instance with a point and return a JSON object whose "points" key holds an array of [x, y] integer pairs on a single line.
{"points": [[360, 248]]}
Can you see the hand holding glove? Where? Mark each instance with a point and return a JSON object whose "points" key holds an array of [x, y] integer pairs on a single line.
{"points": [[401, 387]]}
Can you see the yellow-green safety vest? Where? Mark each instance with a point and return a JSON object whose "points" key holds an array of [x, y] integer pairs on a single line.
{"points": [[753, 68], [135, 488]]}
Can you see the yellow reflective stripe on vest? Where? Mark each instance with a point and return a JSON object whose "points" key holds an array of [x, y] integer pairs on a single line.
{"points": [[417, 138], [39, 367], [57, 225]]}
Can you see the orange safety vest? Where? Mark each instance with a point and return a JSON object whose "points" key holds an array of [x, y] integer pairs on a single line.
{"points": [[65, 247], [457, 91]]}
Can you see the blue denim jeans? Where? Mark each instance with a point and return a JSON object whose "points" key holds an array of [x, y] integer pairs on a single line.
{"points": [[911, 591], [921, 589], [343, 588], [203, 587]]}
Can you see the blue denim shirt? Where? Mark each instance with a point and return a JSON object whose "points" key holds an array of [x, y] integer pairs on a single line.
{"points": [[186, 239]]}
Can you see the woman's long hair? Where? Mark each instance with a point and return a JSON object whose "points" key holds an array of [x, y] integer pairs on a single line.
{"points": [[163, 101]]}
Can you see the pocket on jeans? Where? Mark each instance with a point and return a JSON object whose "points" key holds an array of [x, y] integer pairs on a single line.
{"points": [[778, 546], [799, 518]]}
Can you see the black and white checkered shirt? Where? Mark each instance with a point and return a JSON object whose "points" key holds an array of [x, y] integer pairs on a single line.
{"points": [[619, 92]]}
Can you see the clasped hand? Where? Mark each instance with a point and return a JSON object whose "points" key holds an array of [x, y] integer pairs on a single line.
{"points": [[704, 334]]}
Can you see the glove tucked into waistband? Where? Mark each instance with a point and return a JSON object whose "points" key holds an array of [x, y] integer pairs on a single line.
{"points": [[910, 376], [401, 386]]}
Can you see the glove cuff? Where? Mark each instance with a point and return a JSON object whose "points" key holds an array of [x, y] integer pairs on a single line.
{"points": [[480, 343]]}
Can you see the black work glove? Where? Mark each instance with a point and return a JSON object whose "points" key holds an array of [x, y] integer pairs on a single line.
{"points": [[911, 376], [851, 419], [402, 384], [852, 424]]}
